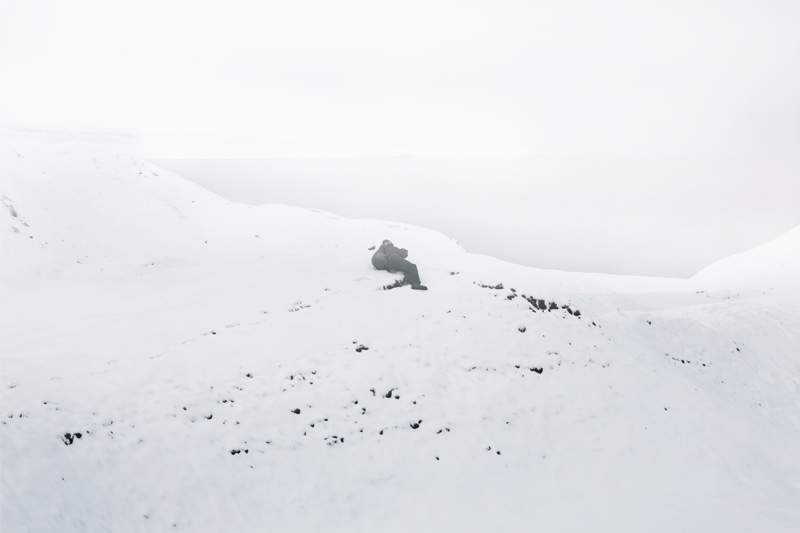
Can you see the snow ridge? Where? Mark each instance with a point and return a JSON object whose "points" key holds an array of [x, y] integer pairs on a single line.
{"points": [[771, 266]]}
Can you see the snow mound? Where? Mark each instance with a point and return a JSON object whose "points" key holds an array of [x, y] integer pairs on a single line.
{"points": [[173, 361], [78, 210], [774, 265]]}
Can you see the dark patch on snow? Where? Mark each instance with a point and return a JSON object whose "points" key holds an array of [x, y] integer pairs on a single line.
{"points": [[69, 438], [361, 348], [497, 287], [298, 305], [398, 283], [538, 304], [8, 203], [685, 361]]}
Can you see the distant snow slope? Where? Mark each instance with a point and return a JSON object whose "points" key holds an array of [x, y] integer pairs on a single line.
{"points": [[772, 266], [173, 361]]}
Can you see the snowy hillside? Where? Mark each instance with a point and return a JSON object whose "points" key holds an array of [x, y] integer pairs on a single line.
{"points": [[772, 266], [173, 361]]}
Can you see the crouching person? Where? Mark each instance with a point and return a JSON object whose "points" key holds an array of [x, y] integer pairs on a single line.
{"points": [[393, 259]]}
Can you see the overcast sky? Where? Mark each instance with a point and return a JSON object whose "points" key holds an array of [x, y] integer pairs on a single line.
{"points": [[691, 105]]}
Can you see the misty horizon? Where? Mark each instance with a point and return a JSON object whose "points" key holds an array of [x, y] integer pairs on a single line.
{"points": [[647, 138], [552, 213]]}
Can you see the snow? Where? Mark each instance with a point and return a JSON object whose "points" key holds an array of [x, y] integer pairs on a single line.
{"points": [[774, 265], [242, 368]]}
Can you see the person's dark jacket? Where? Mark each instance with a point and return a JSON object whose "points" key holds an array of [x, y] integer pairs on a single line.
{"points": [[382, 254]]}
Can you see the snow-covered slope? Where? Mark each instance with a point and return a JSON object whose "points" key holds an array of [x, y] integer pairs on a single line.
{"points": [[772, 266], [172, 361]]}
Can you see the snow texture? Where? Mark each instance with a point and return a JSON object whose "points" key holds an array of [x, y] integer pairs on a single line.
{"points": [[173, 361]]}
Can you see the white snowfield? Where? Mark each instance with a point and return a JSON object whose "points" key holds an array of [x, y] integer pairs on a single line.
{"points": [[175, 362]]}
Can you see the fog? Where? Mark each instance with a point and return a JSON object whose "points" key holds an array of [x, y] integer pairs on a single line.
{"points": [[559, 213], [642, 137]]}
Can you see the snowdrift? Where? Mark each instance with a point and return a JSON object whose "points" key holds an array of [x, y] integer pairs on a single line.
{"points": [[173, 361]]}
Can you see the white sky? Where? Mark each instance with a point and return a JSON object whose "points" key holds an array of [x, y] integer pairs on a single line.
{"points": [[712, 88]]}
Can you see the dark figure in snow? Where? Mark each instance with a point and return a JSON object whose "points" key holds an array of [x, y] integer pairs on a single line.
{"points": [[393, 259]]}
